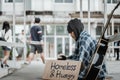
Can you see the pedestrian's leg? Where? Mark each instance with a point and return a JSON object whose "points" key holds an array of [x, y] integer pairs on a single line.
{"points": [[4, 61], [30, 57], [7, 54], [42, 57], [114, 52]]}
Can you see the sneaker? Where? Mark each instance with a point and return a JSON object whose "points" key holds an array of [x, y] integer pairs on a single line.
{"points": [[27, 63], [6, 65], [2, 65]]}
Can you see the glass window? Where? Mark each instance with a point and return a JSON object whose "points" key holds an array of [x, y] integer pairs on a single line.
{"points": [[8, 0], [19, 28], [58, 1], [50, 47], [19, 0], [42, 26], [59, 45], [114, 1], [12, 0], [68, 1], [98, 30], [109, 30], [117, 27], [50, 30], [108, 1], [63, 1], [67, 46], [66, 32], [85, 27], [61, 30]]}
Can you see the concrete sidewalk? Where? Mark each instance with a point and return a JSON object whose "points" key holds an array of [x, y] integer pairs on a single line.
{"points": [[35, 70], [12, 66], [113, 68]]}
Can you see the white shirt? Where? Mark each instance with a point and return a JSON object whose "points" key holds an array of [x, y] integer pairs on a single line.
{"points": [[21, 38], [7, 36]]}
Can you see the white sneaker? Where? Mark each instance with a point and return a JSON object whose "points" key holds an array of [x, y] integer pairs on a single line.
{"points": [[27, 63]]}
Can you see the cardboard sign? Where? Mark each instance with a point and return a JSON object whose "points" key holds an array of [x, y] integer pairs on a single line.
{"points": [[61, 70]]}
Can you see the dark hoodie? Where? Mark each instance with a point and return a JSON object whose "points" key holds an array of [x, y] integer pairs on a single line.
{"points": [[75, 26]]}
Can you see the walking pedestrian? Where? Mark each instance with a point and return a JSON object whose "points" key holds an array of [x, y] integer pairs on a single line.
{"points": [[7, 35], [36, 35]]}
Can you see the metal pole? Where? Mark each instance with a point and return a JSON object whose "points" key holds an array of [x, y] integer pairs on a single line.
{"points": [[112, 34], [81, 12], [63, 45], [71, 45], [45, 41], [25, 31], [55, 38], [105, 15], [89, 16], [105, 11], [13, 53]]}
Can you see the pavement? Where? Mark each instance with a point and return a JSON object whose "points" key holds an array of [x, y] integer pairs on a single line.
{"points": [[35, 70], [113, 68]]}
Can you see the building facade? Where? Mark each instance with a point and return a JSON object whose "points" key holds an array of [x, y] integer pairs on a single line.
{"points": [[54, 16]]}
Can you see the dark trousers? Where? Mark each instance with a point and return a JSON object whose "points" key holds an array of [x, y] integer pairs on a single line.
{"points": [[116, 51]]}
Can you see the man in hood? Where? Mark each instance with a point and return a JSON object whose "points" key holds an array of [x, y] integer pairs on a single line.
{"points": [[84, 48]]}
